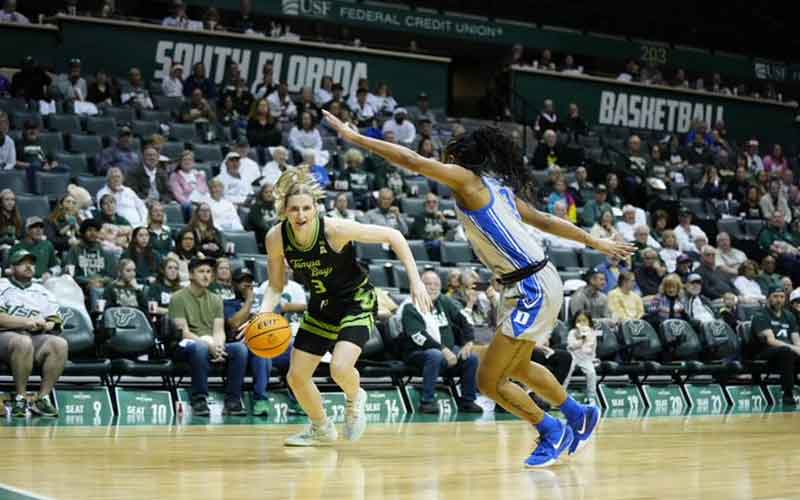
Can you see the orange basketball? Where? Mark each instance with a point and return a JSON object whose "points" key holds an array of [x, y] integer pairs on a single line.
{"points": [[268, 335]]}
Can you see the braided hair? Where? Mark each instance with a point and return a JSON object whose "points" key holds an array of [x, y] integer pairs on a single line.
{"points": [[489, 151]]}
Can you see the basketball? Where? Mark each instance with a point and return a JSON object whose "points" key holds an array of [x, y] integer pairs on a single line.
{"points": [[268, 335]]}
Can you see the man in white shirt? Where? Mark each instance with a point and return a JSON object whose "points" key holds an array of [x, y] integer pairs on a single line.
{"points": [[249, 170], [686, 232], [172, 86], [273, 169], [306, 136], [129, 205], [8, 151], [697, 307], [179, 19], [627, 225], [728, 258], [404, 130], [236, 190], [281, 105], [363, 112], [9, 13]]}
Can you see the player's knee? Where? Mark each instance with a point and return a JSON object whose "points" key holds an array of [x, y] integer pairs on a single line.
{"points": [[21, 345], [294, 378], [340, 370]]}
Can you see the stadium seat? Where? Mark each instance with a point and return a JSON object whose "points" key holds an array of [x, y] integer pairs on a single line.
{"points": [[170, 104], [51, 184], [157, 116], [412, 206], [642, 341], [732, 226], [173, 150], [591, 258], [207, 153], [128, 332], [558, 338], [261, 270], [418, 186], [90, 145], [378, 276], [183, 132], [14, 180], [52, 142], [400, 278], [144, 128], [173, 212], [243, 213], [444, 275], [77, 330], [207, 169], [443, 190], [447, 204], [753, 226], [121, 115], [30, 205], [11, 106], [418, 250], [92, 183], [19, 118], [102, 125], [698, 208], [681, 340], [454, 252], [244, 241], [66, 124], [371, 251], [719, 340], [564, 259]]}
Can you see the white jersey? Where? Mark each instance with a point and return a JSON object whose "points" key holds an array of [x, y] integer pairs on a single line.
{"points": [[499, 237], [35, 301], [504, 243]]}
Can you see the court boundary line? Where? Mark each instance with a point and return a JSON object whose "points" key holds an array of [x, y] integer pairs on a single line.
{"points": [[20, 491]]}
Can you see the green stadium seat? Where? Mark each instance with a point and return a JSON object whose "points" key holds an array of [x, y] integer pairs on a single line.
{"points": [[128, 331]]}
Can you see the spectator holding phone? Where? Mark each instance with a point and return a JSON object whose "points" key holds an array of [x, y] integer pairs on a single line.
{"points": [[582, 343]]}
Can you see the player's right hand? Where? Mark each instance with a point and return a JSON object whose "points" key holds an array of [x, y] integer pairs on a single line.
{"points": [[420, 297]]}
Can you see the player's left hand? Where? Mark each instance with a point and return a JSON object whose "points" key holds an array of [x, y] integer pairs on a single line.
{"points": [[420, 297], [621, 249]]}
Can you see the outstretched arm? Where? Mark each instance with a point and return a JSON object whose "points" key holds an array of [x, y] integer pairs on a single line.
{"points": [[565, 229], [345, 231], [451, 175]]}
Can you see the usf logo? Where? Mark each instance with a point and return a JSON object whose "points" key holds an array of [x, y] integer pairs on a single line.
{"points": [[316, 8], [123, 317]]}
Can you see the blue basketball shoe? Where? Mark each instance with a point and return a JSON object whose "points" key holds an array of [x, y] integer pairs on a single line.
{"points": [[550, 446], [583, 427]]}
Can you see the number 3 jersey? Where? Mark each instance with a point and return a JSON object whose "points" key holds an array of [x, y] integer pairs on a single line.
{"points": [[330, 276]]}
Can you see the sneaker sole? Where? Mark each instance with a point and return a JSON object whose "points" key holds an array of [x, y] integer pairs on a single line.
{"points": [[581, 443]]}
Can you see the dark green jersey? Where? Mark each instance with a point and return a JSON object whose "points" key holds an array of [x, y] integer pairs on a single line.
{"points": [[326, 273]]}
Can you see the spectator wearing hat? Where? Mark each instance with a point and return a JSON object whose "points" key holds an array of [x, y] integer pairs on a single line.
{"points": [[422, 110], [30, 324], [623, 303], [8, 152], [248, 169], [404, 130], [238, 311], [93, 266], [120, 154], [37, 245], [794, 304], [698, 307], [305, 135], [779, 341], [686, 232], [591, 298], [200, 321], [172, 86], [235, 188], [148, 180], [129, 205]]}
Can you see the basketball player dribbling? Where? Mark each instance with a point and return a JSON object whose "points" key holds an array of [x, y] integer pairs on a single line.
{"points": [[342, 305], [494, 195]]}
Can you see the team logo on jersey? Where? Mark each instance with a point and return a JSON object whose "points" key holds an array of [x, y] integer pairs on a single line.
{"points": [[322, 250]]}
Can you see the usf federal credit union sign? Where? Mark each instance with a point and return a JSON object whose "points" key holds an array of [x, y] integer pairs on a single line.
{"points": [[609, 102]]}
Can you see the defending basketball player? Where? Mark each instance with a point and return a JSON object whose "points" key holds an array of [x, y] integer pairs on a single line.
{"points": [[343, 303], [494, 195]]}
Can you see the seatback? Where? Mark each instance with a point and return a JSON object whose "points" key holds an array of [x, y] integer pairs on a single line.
{"points": [[129, 332], [608, 344], [77, 330], [645, 345], [748, 339], [558, 339], [373, 348], [681, 339], [720, 341]]}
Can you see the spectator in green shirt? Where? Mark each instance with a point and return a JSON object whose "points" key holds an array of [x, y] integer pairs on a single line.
{"points": [[125, 291], [94, 266], [594, 208], [199, 319], [166, 285], [440, 343], [223, 281], [35, 243], [161, 238], [141, 253], [778, 340]]}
